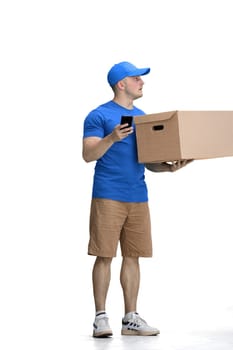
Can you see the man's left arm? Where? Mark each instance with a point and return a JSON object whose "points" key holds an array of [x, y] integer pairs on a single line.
{"points": [[167, 166]]}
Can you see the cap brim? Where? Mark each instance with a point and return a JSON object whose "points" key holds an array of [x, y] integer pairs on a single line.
{"points": [[139, 71]]}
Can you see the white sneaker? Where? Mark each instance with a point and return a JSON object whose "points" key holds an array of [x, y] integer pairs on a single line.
{"points": [[101, 328], [133, 324]]}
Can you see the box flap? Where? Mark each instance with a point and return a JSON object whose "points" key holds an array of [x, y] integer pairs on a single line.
{"points": [[155, 117]]}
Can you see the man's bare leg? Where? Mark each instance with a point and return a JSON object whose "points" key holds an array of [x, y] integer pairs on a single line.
{"points": [[130, 280], [101, 276]]}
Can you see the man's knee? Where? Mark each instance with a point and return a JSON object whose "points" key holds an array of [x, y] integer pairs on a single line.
{"points": [[103, 260]]}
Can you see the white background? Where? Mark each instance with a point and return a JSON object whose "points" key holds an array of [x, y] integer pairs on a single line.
{"points": [[55, 56]]}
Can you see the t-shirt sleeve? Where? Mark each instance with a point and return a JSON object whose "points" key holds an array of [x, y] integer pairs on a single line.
{"points": [[93, 125]]}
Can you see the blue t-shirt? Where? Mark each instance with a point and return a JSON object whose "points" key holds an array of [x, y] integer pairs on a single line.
{"points": [[118, 175]]}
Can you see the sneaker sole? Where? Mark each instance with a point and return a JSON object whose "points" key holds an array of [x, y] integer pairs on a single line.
{"points": [[142, 333], [104, 334]]}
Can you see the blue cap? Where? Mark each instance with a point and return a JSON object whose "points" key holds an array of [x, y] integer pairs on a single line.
{"points": [[124, 69]]}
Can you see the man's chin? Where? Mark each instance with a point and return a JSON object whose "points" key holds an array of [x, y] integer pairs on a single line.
{"points": [[140, 94]]}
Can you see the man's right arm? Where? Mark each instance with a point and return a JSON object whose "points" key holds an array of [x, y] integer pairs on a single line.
{"points": [[95, 147]]}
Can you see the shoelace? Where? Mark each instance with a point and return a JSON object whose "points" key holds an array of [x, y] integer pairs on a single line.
{"points": [[137, 319], [105, 318]]}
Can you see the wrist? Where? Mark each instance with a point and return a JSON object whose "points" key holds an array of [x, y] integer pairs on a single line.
{"points": [[112, 138]]}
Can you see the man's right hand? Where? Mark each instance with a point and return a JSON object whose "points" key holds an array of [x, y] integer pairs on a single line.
{"points": [[120, 132]]}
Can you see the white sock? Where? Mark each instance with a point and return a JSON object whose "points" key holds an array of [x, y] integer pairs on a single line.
{"points": [[130, 313], [100, 313]]}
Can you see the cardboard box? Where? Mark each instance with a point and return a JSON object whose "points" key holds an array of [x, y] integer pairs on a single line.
{"points": [[180, 135]]}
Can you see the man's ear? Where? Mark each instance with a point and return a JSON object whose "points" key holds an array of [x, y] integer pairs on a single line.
{"points": [[121, 84]]}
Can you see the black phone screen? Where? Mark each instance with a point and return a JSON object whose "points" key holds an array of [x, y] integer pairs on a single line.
{"points": [[127, 119]]}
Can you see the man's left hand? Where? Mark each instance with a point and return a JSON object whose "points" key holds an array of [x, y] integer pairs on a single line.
{"points": [[178, 164]]}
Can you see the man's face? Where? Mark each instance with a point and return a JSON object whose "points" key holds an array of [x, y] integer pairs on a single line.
{"points": [[133, 87]]}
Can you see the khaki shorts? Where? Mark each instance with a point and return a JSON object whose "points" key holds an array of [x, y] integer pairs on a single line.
{"points": [[112, 222]]}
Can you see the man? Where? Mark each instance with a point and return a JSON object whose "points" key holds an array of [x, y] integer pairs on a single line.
{"points": [[119, 207]]}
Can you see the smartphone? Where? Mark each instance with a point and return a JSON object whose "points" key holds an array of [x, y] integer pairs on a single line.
{"points": [[126, 119]]}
